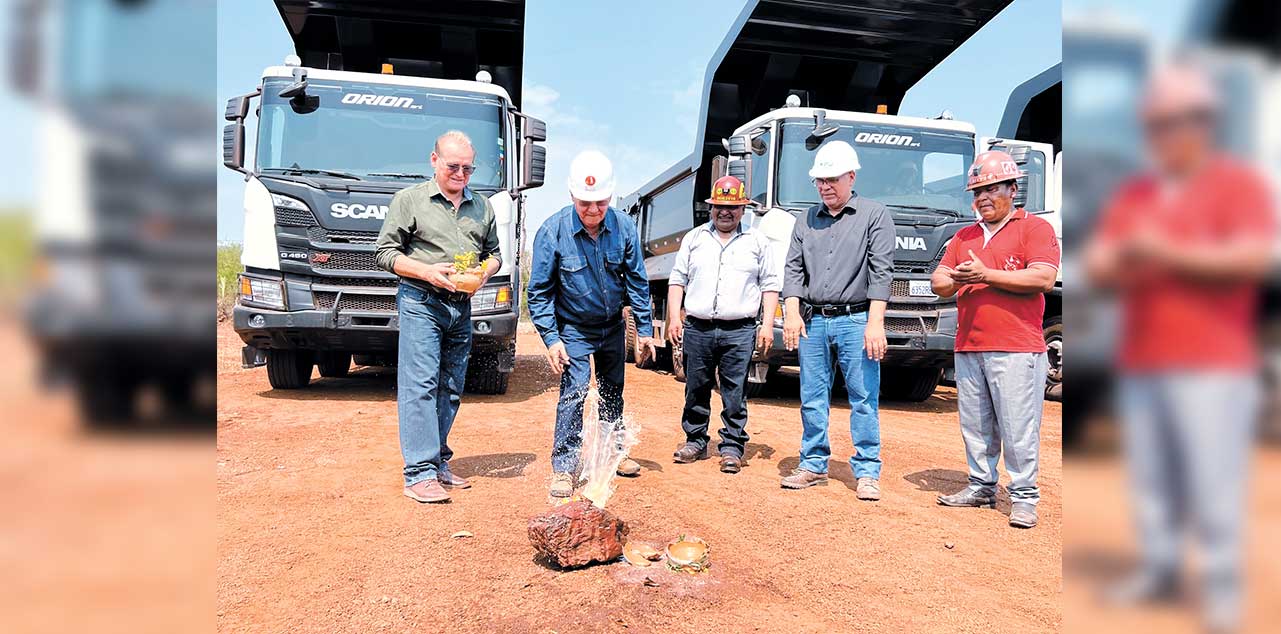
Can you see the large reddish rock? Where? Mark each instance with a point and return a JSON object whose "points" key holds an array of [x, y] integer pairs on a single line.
{"points": [[577, 534]]}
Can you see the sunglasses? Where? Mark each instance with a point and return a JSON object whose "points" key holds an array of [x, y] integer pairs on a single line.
{"points": [[454, 167], [1174, 123]]}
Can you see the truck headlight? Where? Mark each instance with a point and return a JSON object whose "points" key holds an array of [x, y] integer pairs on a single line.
{"points": [[778, 315], [268, 293], [288, 202], [492, 298]]}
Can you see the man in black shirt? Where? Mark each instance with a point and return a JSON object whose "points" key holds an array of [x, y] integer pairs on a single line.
{"points": [[835, 286]]}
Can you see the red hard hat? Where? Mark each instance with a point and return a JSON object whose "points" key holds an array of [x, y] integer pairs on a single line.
{"points": [[728, 190], [992, 166]]}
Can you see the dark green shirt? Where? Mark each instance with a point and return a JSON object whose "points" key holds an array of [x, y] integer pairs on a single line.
{"points": [[424, 225]]}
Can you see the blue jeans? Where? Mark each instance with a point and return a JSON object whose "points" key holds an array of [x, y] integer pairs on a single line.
{"points": [[606, 345], [1187, 439], [837, 342], [435, 339], [715, 354]]}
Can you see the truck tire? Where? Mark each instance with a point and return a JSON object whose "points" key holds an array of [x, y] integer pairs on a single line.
{"points": [[289, 369], [909, 384], [484, 377], [757, 390], [630, 328], [106, 401], [334, 364], [1054, 354]]}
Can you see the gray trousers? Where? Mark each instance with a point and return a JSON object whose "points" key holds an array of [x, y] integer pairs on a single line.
{"points": [[1187, 444], [999, 398]]}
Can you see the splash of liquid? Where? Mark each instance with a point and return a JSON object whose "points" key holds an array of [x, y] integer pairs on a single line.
{"points": [[605, 445]]}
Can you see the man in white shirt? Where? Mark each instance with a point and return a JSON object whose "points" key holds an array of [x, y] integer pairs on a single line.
{"points": [[729, 271]]}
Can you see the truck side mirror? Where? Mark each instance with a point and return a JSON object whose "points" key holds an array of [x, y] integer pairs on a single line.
{"points": [[533, 166], [25, 60], [742, 170], [534, 129], [720, 167], [233, 145]]}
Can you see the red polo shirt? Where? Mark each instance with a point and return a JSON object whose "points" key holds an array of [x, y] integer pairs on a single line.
{"points": [[990, 319], [1173, 322]]}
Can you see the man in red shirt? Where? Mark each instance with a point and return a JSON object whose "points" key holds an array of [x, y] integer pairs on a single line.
{"points": [[999, 268], [1185, 247]]}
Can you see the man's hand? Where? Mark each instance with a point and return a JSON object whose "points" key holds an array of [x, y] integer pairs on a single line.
{"points": [[649, 344], [793, 330], [874, 341], [438, 275], [972, 271], [675, 330], [557, 357], [764, 337]]}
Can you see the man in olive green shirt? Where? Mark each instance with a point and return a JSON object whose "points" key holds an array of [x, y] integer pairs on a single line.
{"points": [[428, 224]]}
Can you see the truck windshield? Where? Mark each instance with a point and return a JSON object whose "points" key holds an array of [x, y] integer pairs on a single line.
{"points": [[377, 131], [900, 166]]}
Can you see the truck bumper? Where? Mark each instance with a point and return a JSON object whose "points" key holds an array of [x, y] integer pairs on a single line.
{"points": [[354, 332]]}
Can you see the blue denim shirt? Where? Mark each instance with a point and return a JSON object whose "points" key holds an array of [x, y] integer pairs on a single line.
{"points": [[585, 282]]}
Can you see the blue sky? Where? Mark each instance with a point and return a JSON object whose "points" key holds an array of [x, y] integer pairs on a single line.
{"points": [[623, 77]]}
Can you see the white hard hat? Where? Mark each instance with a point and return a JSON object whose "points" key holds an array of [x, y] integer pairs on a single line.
{"points": [[833, 159], [591, 177]]}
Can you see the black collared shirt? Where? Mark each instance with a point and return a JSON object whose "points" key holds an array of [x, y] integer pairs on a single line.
{"points": [[842, 259]]}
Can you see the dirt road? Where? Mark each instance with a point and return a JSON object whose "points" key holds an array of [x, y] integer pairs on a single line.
{"points": [[314, 535]]}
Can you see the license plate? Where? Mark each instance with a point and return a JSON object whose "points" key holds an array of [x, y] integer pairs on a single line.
{"points": [[919, 288]]}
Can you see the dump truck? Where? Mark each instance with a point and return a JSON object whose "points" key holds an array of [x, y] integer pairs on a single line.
{"points": [[341, 127], [122, 296], [789, 77]]}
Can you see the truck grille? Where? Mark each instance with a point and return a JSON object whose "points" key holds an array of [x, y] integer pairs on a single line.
{"points": [[321, 234], [354, 301], [348, 261], [287, 217], [900, 288], [357, 281], [911, 324], [916, 267]]}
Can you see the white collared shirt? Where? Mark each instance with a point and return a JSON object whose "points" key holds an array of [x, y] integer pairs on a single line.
{"points": [[724, 281]]}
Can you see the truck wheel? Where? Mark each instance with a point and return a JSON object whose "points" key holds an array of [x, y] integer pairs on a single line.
{"points": [[757, 390], [1054, 352], [289, 369], [485, 378], [334, 364], [105, 401], [630, 328], [909, 384]]}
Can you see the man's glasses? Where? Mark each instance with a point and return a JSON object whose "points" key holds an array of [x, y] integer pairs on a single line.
{"points": [[454, 167]]}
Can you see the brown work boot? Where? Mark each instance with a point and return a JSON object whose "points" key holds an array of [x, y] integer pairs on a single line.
{"points": [[451, 481], [427, 491], [689, 452], [804, 478], [629, 468], [562, 485], [868, 489], [731, 463]]}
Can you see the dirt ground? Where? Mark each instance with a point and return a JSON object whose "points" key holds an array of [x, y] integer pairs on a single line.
{"points": [[315, 536]]}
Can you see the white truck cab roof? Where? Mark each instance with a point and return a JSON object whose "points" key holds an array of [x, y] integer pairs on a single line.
{"points": [[314, 74], [947, 125]]}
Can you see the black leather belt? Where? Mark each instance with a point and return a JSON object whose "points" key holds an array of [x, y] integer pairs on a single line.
{"points": [[833, 310], [720, 323], [439, 292]]}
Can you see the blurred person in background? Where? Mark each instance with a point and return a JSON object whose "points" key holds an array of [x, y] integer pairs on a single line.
{"points": [[1000, 269], [1185, 246]]}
